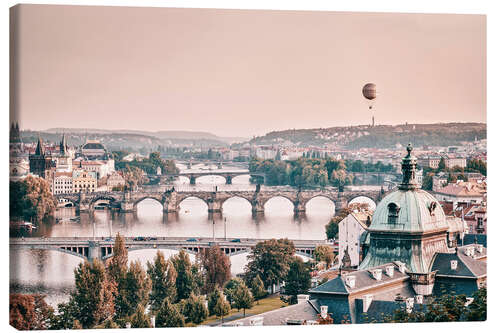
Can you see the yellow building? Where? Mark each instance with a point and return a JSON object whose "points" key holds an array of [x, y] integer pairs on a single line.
{"points": [[84, 181]]}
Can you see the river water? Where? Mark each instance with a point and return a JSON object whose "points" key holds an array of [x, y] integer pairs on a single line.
{"points": [[51, 272]]}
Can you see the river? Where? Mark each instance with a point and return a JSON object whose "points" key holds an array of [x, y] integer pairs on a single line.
{"points": [[51, 272]]}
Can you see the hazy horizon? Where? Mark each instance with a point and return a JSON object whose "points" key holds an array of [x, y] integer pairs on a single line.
{"points": [[240, 73]]}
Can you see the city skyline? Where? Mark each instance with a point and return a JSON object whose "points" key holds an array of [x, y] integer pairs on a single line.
{"points": [[156, 69]]}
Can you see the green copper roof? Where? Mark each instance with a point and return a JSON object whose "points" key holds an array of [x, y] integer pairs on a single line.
{"points": [[418, 211]]}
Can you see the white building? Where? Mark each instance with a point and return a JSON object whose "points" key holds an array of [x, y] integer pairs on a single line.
{"points": [[62, 183], [350, 230]]}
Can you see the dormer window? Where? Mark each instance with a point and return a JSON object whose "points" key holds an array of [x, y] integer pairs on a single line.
{"points": [[393, 212], [432, 207]]}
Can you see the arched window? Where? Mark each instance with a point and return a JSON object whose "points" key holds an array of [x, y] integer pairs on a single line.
{"points": [[393, 213]]}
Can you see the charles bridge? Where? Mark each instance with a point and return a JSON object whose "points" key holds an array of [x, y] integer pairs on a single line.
{"points": [[214, 198], [102, 248]]}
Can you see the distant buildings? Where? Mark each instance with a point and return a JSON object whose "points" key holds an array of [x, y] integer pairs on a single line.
{"points": [[462, 191]]}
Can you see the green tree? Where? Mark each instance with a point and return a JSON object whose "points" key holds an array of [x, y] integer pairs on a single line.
{"points": [[324, 253], [169, 315], [230, 288], [258, 289], [139, 319], [137, 288], [94, 294], [476, 311], [218, 305], [216, 267], [242, 298], [270, 260], [185, 284], [298, 279], [427, 181], [65, 317], [332, 229], [163, 277], [193, 308], [442, 164]]}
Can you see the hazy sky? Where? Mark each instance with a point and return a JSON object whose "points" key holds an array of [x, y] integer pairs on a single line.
{"points": [[243, 73]]}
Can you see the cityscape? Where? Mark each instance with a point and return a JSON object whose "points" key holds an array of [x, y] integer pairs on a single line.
{"points": [[364, 221]]}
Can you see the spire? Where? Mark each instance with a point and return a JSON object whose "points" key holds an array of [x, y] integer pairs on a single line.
{"points": [[39, 147], [408, 167], [63, 146]]}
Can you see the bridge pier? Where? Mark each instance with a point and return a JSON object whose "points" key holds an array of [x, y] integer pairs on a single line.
{"points": [[257, 207], [94, 251], [214, 206], [299, 207], [229, 180], [340, 204], [127, 206], [192, 180]]}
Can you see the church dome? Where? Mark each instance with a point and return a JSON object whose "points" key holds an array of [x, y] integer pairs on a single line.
{"points": [[409, 211]]}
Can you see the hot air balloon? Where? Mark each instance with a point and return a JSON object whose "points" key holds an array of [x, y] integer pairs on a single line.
{"points": [[370, 93]]}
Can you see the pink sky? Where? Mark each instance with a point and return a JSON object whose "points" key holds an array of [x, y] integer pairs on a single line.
{"points": [[242, 73]]}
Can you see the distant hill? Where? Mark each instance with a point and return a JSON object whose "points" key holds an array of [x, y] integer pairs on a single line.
{"points": [[184, 135], [381, 136]]}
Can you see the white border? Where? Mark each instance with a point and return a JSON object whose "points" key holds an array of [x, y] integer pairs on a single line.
{"points": [[490, 8]]}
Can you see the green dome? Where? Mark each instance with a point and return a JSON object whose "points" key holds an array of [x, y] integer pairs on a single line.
{"points": [[408, 211]]}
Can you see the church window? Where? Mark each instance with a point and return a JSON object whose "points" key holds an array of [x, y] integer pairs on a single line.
{"points": [[393, 212]]}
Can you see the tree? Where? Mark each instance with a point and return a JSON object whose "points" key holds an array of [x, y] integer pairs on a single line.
{"points": [[65, 317], [298, 279], [442, 164], [258, 289], [324, 253], [31, 199], [137, 287], [29, 312], [270, 260], [184, 283], [242, 298], [218, 305], [169, 316], [216, 267], [163, 277], [427, 181], [478, 308], [94, 294], [139, 319], [230, 288], [117, 270], [332, 229], [193, 308]]}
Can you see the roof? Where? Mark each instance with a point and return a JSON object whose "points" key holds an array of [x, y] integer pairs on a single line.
{"points": [[414, 215], [475, 239], [467, 266], [464, 189], [307, 310], [364, 280], [376, 311]]}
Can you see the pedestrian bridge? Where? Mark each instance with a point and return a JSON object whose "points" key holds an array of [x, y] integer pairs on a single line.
{"points": [[214, 198], [102, 247]]}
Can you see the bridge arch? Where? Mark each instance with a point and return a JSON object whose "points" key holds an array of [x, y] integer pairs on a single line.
{"points": [[321, 195], [138, 201], [191, 195], [278, 195], [236, 196], [97, 198]]}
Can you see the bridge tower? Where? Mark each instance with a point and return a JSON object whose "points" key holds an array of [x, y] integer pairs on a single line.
{"points": [[126, 206]]}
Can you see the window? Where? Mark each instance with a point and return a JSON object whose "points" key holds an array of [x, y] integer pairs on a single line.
{"points": [[393, 213]]}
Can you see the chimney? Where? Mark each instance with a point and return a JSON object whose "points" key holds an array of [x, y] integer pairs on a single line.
{"points": [[419, 299], [469, 251], [367, 300], [302, 298], [401, 266], [409, 304], [389, 270], [350, 280], [377, 274], [479, 248], [454, 264], [324, 311]]}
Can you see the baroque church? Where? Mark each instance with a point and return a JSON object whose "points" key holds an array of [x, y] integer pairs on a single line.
{"points": [[409, 258]]}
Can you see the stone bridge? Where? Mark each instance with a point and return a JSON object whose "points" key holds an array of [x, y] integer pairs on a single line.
{"points": [[102, 248], [171, 199], [227, 175]]}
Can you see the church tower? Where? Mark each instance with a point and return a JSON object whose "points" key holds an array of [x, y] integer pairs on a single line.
{"points": [[408, 226]]}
